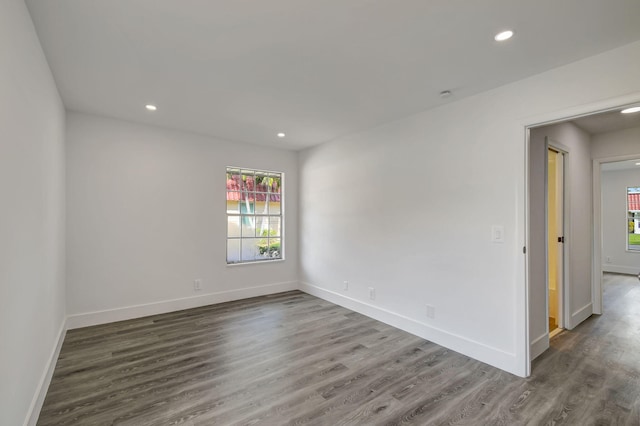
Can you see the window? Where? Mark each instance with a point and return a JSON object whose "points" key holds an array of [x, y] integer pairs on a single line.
{"points": [[633, 218], [254, 215]]}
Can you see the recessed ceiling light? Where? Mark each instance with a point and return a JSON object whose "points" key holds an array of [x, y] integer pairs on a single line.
{"points": [[281, 135], [637, 164], [504, 35], [631, 110], [151, 107]]}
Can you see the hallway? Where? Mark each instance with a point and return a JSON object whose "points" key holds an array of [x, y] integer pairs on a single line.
{"points": [[591, 375]]}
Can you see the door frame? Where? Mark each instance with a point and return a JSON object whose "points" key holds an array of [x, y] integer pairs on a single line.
{"points": [[596, 272], [526, 123], [563, 294]]}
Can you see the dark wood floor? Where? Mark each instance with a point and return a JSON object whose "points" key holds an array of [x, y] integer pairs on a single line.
{"points": [[294, 359]]}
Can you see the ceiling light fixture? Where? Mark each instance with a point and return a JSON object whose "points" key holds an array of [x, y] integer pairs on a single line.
{"points": [[151, 107], [631, 110], [504, 35], [281, 135]]}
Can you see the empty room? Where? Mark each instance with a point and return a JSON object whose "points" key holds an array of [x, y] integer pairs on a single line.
{"points": [[332, 213]]}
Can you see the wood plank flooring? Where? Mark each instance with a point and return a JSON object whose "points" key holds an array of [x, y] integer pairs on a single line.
{"points": [[293, 359]]}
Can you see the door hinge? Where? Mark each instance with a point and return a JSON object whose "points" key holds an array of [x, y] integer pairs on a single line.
{"points": [[561, 239], [524, 250]]}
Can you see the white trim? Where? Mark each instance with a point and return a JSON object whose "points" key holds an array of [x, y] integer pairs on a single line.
{"points": [[255, 262], [617, 269], [137, 311], [596, 266], [281, 215], [581, 314], [584, 110], [487, 354], [539, 345], [523, 347], [555, 332], [45, 380]]}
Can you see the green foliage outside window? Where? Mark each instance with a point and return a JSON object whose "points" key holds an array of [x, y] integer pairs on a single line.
{"points": [[269, 246]]}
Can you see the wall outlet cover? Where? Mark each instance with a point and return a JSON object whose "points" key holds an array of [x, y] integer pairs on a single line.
{"points": [[431, 311]]}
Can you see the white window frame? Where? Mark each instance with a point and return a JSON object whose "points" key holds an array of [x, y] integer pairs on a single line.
{"points": [[254, 217], [630, 217]]}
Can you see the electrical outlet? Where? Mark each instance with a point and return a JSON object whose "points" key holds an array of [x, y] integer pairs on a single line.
{"points": [[431, 311], [372, 293], [197, 284], [345, 285]]}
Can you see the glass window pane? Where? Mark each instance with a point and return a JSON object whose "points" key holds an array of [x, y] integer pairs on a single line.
{"points": [[633, 221], [234, 180], [261, 206], [246, 207], [275, 251], [274, 226], [269, 248], [275, 183], [233, 226], [248, 226], [250, 249], [233, 206], [248, 181], [233, 251], [274, 206], [254, 221], [262, 182], [262, 226]]}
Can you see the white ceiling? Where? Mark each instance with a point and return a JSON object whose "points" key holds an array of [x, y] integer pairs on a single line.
{"points": [[607, 122], [244, 70]]}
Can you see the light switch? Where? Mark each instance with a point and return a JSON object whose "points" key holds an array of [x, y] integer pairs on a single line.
{"points": [[497, 234]]}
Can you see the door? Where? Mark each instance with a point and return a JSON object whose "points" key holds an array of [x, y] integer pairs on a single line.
{"points": [[555, 238]]}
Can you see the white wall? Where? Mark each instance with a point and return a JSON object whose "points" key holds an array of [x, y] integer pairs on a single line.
{"points": [[614, 185], [456, 170], [616, 144], [32, 281], [146, 215], [606, 147], [578, 231]]}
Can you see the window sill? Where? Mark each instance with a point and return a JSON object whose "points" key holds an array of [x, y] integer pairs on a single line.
{"points": [[259, 262]]}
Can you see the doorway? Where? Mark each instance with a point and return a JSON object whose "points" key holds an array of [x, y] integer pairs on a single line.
{"points": [[555, 238], [596, 134]]}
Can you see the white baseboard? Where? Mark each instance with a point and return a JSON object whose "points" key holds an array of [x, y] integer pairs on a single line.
{"points": [[580, 315], [492, 356], [539, 345], [45, 380], [120, 314], [618, 269]]}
